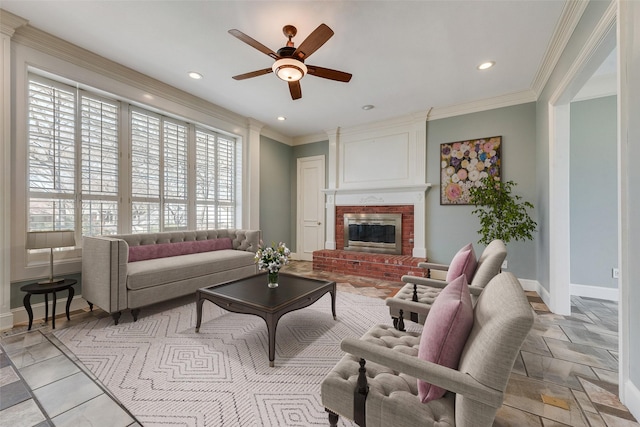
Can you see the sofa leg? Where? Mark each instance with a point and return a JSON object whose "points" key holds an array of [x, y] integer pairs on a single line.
{"points": [[116, 316], [135, 312], [90, 305], [333, 418]]}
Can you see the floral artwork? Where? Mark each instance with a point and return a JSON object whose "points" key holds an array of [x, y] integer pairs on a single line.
{"points": [[463, 165]]}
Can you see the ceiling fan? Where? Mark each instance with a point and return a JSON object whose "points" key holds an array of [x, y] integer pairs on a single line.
{"points": [[289, 65]]}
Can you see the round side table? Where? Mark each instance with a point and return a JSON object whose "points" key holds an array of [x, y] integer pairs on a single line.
{"points": [[49, 288]]}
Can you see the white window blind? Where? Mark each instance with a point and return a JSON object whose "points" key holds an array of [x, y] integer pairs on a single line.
{"points": [[215, 180], [175, 176], [145, 173], [51, 140], [100, 161], [76, 166]]}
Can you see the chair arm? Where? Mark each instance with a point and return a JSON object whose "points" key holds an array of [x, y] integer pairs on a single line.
{"points": [[408, 306], [425, 281], [447, 378], [475, 290], [433, 266]]}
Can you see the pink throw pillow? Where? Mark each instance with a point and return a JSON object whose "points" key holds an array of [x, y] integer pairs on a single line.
{"points": [[463, 262], [164, 250], [445, 332]]}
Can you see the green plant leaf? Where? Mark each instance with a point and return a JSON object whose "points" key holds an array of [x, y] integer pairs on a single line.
{"points": [[502, 215]]}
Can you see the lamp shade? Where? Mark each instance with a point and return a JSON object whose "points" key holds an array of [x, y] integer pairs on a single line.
{"points": [[50, 239], [289, 70]]}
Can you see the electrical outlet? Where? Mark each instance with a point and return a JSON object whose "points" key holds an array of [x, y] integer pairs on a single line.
{"points": [[504, 264], [615, 273]]}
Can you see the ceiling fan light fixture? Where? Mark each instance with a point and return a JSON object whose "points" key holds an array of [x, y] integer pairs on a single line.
{"points": [[289, 70]]}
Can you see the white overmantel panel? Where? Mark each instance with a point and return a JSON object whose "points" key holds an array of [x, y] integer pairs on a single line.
{"points": [[379, 164], [386, 154]]}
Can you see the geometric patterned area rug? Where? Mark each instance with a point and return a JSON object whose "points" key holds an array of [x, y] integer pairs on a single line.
{"points": [[166, 374]]}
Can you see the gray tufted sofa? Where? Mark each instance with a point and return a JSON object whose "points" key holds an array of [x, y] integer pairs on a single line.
{"points": [[114, 283]]}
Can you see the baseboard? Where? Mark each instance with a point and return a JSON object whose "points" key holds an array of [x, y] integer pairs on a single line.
{"points": [[6, 321], [535, 286], [632, 398], [609, 294], [20, 314]]}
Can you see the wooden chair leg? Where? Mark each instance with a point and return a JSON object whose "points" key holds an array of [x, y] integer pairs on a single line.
{"points": [[399, 325], [360, 396], [333, 418]]}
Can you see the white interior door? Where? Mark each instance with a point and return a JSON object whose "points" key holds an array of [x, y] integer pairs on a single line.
{"points": [[310, 221]]}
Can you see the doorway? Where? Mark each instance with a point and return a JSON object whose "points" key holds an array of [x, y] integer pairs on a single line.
{"points": [[310, 206]]}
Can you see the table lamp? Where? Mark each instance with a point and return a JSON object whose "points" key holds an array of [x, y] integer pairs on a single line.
{"points": [[50, 240]]}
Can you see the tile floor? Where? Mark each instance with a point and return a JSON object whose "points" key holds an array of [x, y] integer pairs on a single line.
{"points": [[566, 373]]}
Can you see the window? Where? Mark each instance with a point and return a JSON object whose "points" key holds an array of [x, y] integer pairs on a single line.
{"points": [[99, 161], [215, 180], [86, 171], [158, 173], [52, 173]]}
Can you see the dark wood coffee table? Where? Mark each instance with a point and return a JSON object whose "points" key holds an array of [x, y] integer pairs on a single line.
{"points": [[251, 295]]}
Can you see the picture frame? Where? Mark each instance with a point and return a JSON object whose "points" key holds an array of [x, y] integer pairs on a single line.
{"points": [[464, 163]]}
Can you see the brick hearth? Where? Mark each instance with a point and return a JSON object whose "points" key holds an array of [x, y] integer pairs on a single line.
{"points": [[379, 266]]}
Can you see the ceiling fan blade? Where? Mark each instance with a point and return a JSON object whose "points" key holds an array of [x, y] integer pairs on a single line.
{"points": [[295, 89], [253, 74], [317, 38], [328, 73], [253, 43]]}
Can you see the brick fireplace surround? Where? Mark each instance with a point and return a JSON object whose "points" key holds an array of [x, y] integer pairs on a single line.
{"points": [[378, 266]]}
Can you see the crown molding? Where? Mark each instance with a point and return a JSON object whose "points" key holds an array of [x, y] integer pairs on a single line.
{"points": [[507, 100], [310, 139], [407, 119], [567, 23], [276, 136], [9, 22], [44, 42]]}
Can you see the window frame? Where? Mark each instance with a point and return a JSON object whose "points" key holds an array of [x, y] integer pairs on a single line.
{"points": [[125, 198]]}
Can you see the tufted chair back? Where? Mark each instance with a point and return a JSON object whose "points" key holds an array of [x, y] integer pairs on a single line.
{"points": [[489, 263], [502, 319]]}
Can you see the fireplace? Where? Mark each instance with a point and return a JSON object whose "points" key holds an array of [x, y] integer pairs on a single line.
{"points": [[373, 232]]}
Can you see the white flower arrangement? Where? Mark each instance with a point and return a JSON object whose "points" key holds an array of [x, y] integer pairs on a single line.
{"points": [[272, 258]]}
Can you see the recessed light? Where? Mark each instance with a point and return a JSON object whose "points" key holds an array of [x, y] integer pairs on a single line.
{"points": [[194, 75], [367, 107], [282, 118], [486, 65]]}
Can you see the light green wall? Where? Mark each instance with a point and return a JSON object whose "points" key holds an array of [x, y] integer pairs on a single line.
{"points": [[450, 227], [278, 187], [275, 191], [594, 192]]}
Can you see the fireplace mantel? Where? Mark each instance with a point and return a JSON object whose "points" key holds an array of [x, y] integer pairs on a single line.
{"points": [[404, 195]]}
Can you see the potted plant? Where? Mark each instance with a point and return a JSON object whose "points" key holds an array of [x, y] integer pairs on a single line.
{"points": [[502, 214]]}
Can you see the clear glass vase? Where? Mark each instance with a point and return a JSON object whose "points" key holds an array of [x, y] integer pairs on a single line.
{"points": [[273, 279]]}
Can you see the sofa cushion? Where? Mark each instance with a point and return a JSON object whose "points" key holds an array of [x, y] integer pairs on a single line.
{"points": [[445, 332], [152, 272], [164, 250], [463, 262]]}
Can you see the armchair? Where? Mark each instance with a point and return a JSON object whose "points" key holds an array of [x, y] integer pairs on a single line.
{"points": [[375, 383], [416, 297]]}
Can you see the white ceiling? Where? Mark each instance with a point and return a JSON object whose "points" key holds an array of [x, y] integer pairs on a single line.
{"points": [[405, 56]]}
